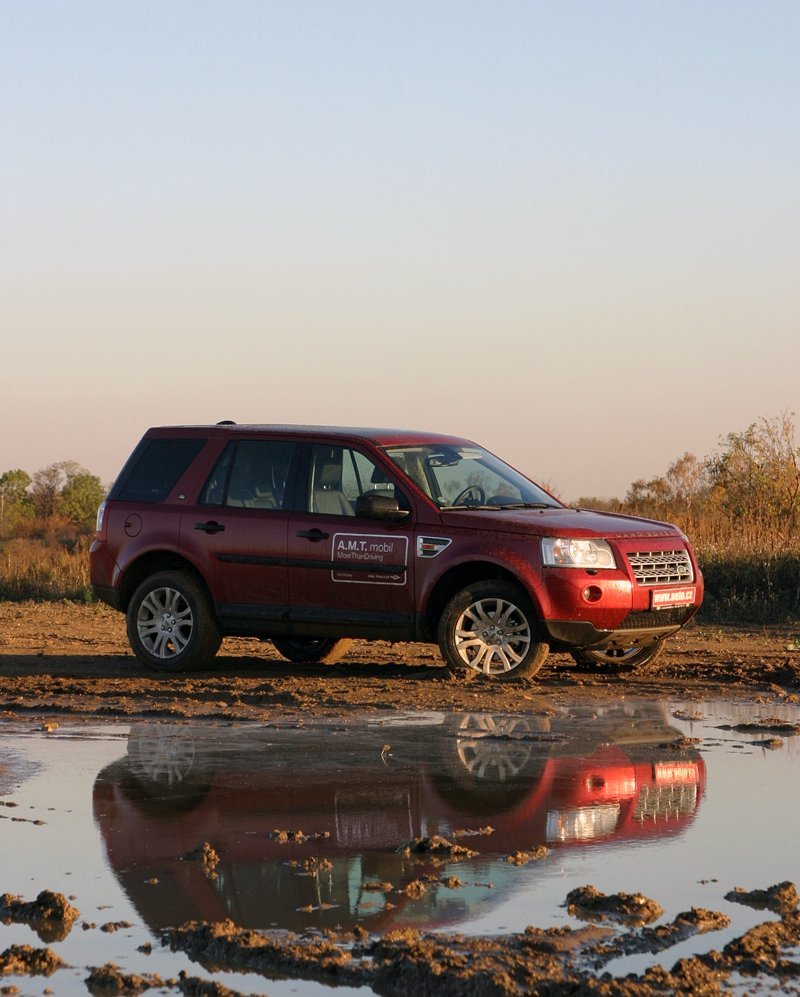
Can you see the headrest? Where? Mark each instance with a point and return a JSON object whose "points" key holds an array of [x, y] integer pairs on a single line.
{"points": [[328, 476]]}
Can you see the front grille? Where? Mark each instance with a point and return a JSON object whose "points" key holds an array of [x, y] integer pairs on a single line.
{"points": [[660, 567], [665, 802], [650, 618]]}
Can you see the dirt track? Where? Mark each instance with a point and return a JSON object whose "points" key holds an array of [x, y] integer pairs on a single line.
{"points": [[71, 659]]}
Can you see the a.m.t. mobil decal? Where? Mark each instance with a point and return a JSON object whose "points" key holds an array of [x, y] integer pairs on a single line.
{"points": [[370, 558]]}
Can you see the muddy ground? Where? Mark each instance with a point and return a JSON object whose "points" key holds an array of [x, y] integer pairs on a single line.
{"points": [[65, 660], [72, 659]]}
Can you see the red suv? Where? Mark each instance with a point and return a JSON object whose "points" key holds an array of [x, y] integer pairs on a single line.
{"points": [[312, 536]]}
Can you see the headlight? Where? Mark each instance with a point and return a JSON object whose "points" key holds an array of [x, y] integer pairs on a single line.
{"points": [[561, 552], [582, 823]]}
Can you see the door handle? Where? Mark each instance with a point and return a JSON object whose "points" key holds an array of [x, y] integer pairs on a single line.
{"points": [[210, 527], [314, 535]]}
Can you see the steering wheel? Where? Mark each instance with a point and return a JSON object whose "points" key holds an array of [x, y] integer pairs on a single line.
{"points": [[477, 493]]}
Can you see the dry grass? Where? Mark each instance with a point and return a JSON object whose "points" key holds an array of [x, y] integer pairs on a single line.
{"points": [[755, 582], [36, 569]]}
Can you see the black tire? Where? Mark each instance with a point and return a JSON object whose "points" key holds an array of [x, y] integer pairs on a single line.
{"points": [[638, 656], [489, 628], [312, 650], [171, 623]]}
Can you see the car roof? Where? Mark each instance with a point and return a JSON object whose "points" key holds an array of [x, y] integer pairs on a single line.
{"points": [[378, 437]]}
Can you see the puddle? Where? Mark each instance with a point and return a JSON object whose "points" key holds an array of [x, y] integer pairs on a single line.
{"points": [[307, 824]]}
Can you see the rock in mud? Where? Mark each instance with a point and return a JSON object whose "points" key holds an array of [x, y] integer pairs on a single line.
{"points": [[587, 903], [50, 915]]}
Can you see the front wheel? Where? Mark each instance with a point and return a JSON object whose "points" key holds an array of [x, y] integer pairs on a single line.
{"points": [[489, 628], [610, 659], [311, 650], [171, 623]]}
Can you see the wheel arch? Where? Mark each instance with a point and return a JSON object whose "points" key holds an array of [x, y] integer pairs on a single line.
{"points": [[459, 577], [150, 564]]}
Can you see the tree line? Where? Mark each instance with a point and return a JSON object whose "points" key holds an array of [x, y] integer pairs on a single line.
{"points": [[746, 494], [60, 499]]}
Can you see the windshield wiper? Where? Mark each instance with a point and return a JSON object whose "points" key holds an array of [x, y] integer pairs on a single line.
{"points": [[466, 506], [511, 505], [527, 505]]}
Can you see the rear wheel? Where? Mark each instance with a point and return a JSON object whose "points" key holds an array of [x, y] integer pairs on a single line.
{"points": [[171, 623], [312, 650], [489, 628], [610, 659]]}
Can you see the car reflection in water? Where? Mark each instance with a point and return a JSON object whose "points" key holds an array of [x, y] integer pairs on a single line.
{"points": [[359, 793]]}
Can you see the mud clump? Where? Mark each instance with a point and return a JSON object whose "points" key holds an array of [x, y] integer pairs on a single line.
{"points": [[208, 858], [50, 915], [781, 898], [762, 948], [437, 847], [588, 903], [767, 726], [224, 946], [523, 858], [24, 960], [687, 924], [298, 837], [110, 979], [552, 961]]}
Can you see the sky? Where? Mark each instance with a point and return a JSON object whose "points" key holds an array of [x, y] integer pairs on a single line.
{"points": [[569, 231]]}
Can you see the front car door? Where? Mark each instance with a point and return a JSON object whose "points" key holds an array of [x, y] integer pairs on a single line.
{"points": [[348, 575]]}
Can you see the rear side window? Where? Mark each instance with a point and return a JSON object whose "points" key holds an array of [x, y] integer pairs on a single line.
{"points": [[155, 468], [250, 474]]}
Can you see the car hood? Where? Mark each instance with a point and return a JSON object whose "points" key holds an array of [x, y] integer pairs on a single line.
{"points": [[552, 522]]}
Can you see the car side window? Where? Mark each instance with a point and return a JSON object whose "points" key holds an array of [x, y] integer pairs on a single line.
{"points": [[340, 476], [250, 474]]}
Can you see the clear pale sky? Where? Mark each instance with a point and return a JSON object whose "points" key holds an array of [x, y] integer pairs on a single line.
{"points": [[570, 231]]}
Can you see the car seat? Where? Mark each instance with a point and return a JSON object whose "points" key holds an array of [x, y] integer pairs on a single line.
{"points": [[327, 495]]}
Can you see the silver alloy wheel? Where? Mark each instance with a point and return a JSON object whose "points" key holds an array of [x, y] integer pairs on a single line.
{"points": [[165, 622], [164, 755], [487, 749], [492, 636]]}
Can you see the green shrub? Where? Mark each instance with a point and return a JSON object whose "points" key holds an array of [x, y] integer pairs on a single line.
{"points": [[750, 586]]}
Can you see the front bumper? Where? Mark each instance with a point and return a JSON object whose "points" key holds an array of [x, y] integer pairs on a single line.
{"points": [[643, 628]]}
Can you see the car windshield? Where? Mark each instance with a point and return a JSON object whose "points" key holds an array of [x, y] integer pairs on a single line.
{"points": [[468, 476]]}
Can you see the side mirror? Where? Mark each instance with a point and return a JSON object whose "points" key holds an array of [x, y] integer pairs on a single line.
{"points": [[376, 506]]}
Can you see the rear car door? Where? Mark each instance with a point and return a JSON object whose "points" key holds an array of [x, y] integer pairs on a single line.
{"points": [[237, 532]]}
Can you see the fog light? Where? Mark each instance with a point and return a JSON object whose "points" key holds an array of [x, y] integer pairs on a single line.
{"points": [[592, 593]]}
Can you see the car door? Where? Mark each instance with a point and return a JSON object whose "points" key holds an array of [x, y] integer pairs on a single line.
{"points": [[348, 575], [237, 533]]}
